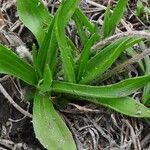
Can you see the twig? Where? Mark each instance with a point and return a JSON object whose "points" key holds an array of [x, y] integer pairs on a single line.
{"points": [[74, 131], [4, 78], [143, 34], [4, 92], [95, 4], [133, 136], [6, 143], [145, 140]]}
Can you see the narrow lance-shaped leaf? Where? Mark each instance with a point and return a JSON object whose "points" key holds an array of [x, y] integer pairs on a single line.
{"points": [[117, 15], [131, 52], [46, 82], [11, 64], [140, 10], [83, 18], [65, 12], [106, 52], [34, 55], [106, 23], [84, 57], [101, 56], [125, 105], [146, 92], [80, 28], [74, 49], [134, 41], [83, 23], [35, 17], [48, 50], [49, 128], [99, 70], [121, 89]]}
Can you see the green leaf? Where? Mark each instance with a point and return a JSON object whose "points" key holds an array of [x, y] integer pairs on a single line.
{"points": [[140, 9], [74, 49], [45, 86], [84, 57], [134, 41], [80, 28], [34, 55], [111, 21], [131, 52], [35, 17], [49, 128], [117, 15], [11, 64], [101, 56], [101, 67], [65, 12], [125, 105], [84, 19], [106, 23], [48, 50], [121, 89], [83, 23], [146, 91]]}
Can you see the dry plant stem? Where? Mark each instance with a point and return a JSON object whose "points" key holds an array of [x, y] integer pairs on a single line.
{"points": [[146, 140], [123, 66], [6, 77], [133, 135], [95, 4], [144, 34], [6, 143], [4, 92], [78, 143]]}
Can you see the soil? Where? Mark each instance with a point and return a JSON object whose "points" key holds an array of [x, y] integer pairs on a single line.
{"points": [[93, 127]]}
